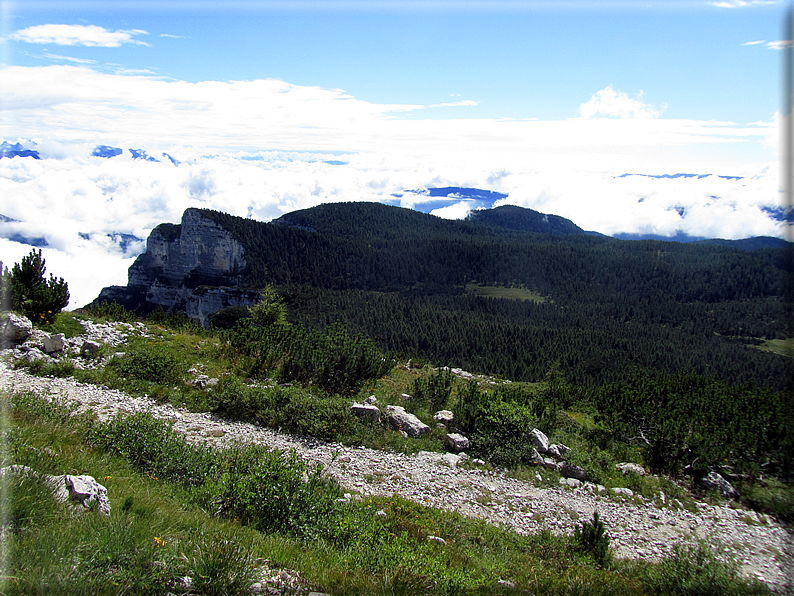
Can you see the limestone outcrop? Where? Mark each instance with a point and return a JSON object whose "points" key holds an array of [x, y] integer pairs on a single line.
{"points": [[193, 267], [80, 493]]}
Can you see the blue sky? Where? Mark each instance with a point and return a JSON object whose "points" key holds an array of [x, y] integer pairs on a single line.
{"points": [[521, 59], [546, 102]]}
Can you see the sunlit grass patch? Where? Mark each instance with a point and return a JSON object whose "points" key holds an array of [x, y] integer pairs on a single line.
{"points": [[511, 293]]}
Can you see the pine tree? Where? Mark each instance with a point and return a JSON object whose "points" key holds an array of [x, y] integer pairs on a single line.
{"points": [[38, 298]]}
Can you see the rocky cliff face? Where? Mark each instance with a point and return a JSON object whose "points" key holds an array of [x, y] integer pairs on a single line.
{"points": [[192, 267]]}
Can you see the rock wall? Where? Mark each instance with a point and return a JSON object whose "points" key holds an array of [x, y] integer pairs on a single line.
{"points": [[196, 252], [193, 267]]}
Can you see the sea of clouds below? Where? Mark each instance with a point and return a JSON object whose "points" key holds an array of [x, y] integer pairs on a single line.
{"points": [[78, 202]]}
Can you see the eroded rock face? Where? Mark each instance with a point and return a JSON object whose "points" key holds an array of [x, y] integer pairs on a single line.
{"points": [[192, 267], [197, 251]]}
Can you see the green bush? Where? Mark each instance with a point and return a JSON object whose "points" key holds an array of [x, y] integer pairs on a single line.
{"points": [[111, 311], [694, 570], [774, 498], [270, 310], [291, 409], [226, 318], [592, 539], [498, 428], [274, 492], [220, 566], [154, 448], [6, 289], [331, 360], [434, 390], [149, 362]]}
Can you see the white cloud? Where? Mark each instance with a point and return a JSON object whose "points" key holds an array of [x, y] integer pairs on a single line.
{"points": [[467, 102], [51, 56], [609, 102], [172, 36], [754, 43], [457, 211], [779, 45], [77, 35], [71, 103], [743, 3], [710, 206]]}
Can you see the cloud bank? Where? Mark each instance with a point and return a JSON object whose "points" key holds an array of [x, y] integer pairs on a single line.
{"points": [[264, 147], [84, 207]]}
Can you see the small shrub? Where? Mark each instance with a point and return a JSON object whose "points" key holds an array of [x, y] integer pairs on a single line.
{"points": [[592, 539], [111, 311], [226, 318], [149, 362], [291, 409], [270, 309], [435, 390], [774, 498], [274, 492], [331, 360], [694, 570], [498, 428], [220, 566], [154, 448]]}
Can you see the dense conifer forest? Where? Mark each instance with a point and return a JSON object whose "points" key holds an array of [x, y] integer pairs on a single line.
{"points": [[600, 307]]}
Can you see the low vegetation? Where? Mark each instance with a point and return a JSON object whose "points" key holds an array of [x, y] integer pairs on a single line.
{"points": [[227, 519]]}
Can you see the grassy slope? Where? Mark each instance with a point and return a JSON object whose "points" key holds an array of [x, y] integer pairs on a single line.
{"points": [[160, 529], [158, 532]]}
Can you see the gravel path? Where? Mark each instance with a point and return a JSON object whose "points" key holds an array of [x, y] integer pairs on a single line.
{"points": [[638, 528]]}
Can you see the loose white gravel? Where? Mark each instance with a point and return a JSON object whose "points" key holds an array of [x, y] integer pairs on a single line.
{"points": [[639, 528]]}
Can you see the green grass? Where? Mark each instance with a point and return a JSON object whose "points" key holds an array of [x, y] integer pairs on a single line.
{"points": [[66, 323], [179, 510], [512, 293], [784, 347]]}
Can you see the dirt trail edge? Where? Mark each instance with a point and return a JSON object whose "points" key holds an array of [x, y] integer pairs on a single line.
{"points": [[639, 528]]}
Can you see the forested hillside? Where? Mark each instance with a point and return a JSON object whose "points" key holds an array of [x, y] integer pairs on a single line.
{"points": [[599, 306]]}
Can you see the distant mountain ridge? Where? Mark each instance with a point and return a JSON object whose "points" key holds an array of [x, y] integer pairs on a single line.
{"points": [[10, 150], [479, 293], [357, 218], [511, 217]]}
